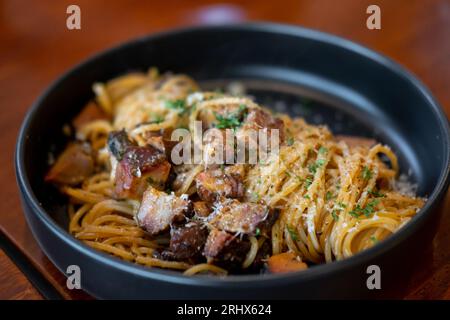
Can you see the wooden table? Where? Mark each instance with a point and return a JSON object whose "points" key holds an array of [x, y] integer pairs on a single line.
{"points": [[36, 47]]}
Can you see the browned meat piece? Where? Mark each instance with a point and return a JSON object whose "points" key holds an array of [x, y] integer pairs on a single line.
{"points": [[237, 170], [156, 142], [265, 227], [202, 209], [355, 141], [72, 166], [242, 217], [90, 112], [118, 143], [225, 249], [247, 121], [161, 143], [285, 262], [260, 119], [139, 168], [159, 210], [213, 184], [187, 242], [129, 185]]}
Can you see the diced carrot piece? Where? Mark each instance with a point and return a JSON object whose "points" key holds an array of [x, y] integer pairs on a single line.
{"points": [[285, 262]]}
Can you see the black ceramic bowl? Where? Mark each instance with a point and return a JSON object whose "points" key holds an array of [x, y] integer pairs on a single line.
{"points": [[324, 78]]}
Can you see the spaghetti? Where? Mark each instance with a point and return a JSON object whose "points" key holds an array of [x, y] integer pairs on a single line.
{"points": [[334, 198]]}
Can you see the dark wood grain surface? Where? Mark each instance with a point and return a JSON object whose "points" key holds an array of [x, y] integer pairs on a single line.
{"points": [[14, 284], [36, 47]]}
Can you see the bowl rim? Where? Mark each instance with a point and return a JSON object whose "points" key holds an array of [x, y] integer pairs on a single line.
{"points": [[255, 280]]}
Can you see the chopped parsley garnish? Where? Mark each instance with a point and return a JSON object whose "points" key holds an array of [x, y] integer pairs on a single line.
{"points": [[232, 120], [306, 197], [340, 204], [229, 122], [293, 233], [257, 231], [366, 173], [354, 213], [376, 193], [323, 150], [370, 207], [178, 104], [329, 195], [334, 215], [374, 239], [314, 166], [242, 108], [157, 119], [290, 141], [308, 182], [367, 210]]}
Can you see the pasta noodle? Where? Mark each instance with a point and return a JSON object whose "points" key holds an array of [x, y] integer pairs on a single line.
{"points": [[335, 199]]}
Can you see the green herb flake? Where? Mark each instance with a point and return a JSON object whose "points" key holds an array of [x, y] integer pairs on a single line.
{"points": [[334, 215], [354, 213], [308, 182], [328, 196], [232, 120], [306, 197], [370, 207], [376, 193], [293, 233], [368, 210], [323, 150], [341, 205], [316, 165], [290, 141], [178, 104], [321, 162], [257, 232], [374, 239], [242, 108], [366, 173], [157, 119]]}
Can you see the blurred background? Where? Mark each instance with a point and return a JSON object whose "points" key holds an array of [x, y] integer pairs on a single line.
{"points": [[36, 47]]}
